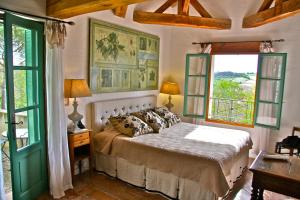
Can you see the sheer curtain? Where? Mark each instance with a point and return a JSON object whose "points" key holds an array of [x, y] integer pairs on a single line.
{"points": [[200, 85], [58, 152], [261, 135]]}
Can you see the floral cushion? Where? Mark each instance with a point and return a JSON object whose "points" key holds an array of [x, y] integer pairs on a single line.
{"points": [[130, 125], [156, 122], [170, 117]]}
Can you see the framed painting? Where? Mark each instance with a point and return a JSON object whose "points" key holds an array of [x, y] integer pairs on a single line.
{"points": [[122, 59]]}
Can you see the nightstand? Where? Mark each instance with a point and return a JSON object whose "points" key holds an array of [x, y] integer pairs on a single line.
{"points": [[80, 148]]}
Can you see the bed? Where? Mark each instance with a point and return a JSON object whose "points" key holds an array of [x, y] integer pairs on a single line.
{"points": [[185, 161]]}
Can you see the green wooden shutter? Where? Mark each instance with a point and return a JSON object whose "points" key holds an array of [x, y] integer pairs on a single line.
{"points": [[269, 90], [196, 85]]}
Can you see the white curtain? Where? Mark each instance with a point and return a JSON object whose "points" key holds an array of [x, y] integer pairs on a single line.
{"points": [[58, 151], [200, 65], [261, 135]]}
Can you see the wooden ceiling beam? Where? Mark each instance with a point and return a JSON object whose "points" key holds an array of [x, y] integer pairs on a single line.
{"points": [[200, 9], [287, 8], [265, 5], [120, 11], [68, 8], [180, 7], [165, 6], [185, 7], [181, 20], [278, 7]]}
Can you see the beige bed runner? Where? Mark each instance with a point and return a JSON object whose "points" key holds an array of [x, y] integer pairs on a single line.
{"points": [[200, 153]]}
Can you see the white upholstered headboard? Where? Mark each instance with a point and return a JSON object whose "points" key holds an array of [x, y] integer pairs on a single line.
{"points": [[102, 110]]}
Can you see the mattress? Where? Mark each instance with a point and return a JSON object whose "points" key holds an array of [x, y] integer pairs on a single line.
{"points": [[199, 153]]}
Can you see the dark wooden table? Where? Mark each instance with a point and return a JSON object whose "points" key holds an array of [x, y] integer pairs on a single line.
{"points": [[276, 176]]}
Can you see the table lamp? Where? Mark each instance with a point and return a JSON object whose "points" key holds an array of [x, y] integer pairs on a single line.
{"points": [[74, 88], [170, 88]]}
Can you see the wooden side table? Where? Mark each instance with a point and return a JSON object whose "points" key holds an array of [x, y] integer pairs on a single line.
{"points": [[277, 176], [80, 148]]}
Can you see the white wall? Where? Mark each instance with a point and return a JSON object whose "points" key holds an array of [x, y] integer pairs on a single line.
{"points": [[37, 7], [76, 54]]}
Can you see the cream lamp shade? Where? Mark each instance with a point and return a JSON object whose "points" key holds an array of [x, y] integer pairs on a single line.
{"points": [[170, 88], [76, 88]]}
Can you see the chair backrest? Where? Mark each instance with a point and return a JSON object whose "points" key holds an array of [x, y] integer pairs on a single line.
{"points": [[295, 129]]}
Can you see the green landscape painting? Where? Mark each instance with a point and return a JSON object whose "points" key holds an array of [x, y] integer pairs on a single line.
{"points": [[122, 59]]}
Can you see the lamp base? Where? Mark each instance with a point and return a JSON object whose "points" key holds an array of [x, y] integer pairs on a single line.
{"points": [[169, 105], [75, 117]]}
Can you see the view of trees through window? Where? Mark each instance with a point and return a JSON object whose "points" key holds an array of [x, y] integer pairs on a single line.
{"points": [[232, 89], [19, 59]]}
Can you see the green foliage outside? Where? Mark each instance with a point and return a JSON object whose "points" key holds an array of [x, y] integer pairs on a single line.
{"points": [[232, 100], [19, 77]]}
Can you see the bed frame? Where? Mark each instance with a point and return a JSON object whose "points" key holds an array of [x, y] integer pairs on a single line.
{"points": [[151, 179]]}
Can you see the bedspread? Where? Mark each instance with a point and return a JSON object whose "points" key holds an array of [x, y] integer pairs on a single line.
{"points": [[199, 153]]}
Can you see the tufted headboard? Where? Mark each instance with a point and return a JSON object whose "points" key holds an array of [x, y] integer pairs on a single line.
{"points": [[102, 110]]}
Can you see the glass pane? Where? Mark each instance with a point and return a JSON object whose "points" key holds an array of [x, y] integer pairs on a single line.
{"points": [[26, 131], [25, 88], [271, 66], [269, 90], [23, 46], [197, 65], [267, 114], [195, 106], [196, 85]]}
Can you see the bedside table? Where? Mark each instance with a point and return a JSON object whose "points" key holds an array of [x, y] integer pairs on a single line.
{"points": [[80, 148]]}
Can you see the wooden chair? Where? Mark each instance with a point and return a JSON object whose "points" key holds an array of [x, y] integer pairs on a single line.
{"points": [[280, 145]]}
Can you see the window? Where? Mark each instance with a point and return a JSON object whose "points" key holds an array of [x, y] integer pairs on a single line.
{"points": [[232, 89], [261, 106]]}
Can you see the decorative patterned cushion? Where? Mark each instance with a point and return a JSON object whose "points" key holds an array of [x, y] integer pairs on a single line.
{"points": [[156, 122], [130, 125], [170, 117]]}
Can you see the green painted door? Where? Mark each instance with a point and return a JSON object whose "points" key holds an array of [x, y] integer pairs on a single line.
{"points": [[25, 100]]}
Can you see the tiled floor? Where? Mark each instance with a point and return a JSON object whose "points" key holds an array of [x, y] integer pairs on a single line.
{"points": [[95, 186]]}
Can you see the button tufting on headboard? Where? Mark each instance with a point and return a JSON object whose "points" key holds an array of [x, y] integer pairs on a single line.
{"points": [[102, 110]]}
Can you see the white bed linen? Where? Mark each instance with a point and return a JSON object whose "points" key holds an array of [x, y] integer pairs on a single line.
{"points": [[198, 141], [219, 144]]}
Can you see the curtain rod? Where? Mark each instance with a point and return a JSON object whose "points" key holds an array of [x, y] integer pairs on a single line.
{"points": [[205, 43], [35, 16]]}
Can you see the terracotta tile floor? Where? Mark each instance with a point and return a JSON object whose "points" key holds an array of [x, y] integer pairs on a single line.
{"points": [[97, 186]]}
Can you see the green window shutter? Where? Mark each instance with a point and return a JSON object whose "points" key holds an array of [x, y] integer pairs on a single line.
{"points": [[196, 85], [269, 90]]}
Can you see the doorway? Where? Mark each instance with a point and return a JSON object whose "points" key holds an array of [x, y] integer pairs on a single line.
{"points": [[5, 154], [22, 105]]}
